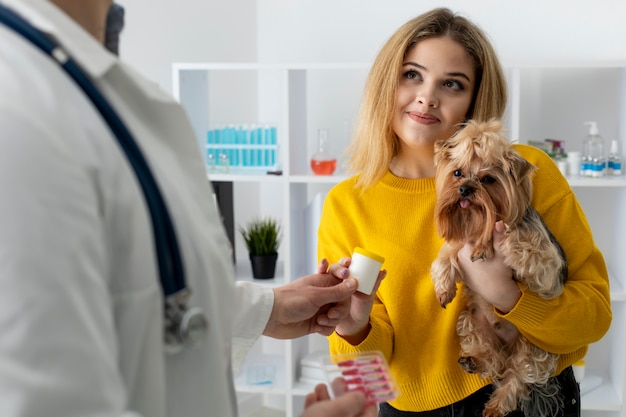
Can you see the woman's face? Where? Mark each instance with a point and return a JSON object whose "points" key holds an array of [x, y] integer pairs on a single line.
{"points": [[435, 92]]}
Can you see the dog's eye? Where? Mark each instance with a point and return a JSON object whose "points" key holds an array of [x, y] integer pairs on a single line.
{"points": [[488, 180], [458, 173]]}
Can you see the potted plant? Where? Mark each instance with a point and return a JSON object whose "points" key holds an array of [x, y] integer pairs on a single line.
{"points": [[262, 237]]}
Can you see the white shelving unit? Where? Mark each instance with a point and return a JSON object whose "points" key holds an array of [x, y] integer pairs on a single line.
{"points": [[546, 100]]}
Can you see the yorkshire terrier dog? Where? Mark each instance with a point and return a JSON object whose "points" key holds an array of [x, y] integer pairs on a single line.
{"points": [[480, 180]]}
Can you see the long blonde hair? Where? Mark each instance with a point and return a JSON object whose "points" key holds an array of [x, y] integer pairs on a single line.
{"points": [[375, 143]]}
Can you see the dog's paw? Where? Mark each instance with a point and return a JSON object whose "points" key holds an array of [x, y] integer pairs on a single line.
{"points": [[445, 297], [468, 364], [492, 412], [482, 252], [478, 257]]}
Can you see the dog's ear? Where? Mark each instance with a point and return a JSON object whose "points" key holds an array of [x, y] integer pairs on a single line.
{"points": [[519, 168], [441, 148]]}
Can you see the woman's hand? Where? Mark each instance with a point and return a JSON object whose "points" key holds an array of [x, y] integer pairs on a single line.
{"points": [[491, 279], [355, 327], [345, 403]]}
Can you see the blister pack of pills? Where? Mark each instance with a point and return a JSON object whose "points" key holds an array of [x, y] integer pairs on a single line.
{"points": [[365, 371]]}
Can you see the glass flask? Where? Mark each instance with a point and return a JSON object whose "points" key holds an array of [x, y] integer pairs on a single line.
{"points": [[323, 163]]}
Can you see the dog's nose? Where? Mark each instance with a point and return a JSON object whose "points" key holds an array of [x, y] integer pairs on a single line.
{"points": [[465, 190]]}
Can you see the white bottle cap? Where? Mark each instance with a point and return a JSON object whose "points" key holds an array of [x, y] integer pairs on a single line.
{"points": [[365, 266], [593, 128], [614, 147]]}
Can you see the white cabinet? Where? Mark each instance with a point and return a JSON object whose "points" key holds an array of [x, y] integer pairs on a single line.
{"points": [[546, 100]]}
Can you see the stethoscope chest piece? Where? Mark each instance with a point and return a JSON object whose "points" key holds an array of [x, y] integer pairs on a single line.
{"points": [[184, 327]]}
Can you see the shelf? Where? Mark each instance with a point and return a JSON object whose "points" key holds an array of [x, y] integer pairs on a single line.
{"points": [[267, 370], [245, 177], [252, 66], [301, 388], [597, 182], [602, 398], [334, 179], [251, 405], [262, 178], [243, 273]]}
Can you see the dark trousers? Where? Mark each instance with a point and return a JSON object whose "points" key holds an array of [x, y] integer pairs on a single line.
{"points": [[473, 405]]}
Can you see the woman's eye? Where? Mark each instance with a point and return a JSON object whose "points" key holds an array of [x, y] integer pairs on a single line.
{"points": [[412, 75], [488, 180], [454, 85], [457, 173]]}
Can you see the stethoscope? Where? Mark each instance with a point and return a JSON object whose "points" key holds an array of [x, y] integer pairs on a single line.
{"points": [[183, 326]]}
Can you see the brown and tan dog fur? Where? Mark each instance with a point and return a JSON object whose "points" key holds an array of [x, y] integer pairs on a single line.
{"points": [[480, 180]]}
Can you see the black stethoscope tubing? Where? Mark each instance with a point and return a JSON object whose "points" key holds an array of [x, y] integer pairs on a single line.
{"points": [[169, 260]]}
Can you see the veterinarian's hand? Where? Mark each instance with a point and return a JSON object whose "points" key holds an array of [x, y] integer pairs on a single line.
{"points": [[356, 326], [346, 403], [311, 304], [492, 279]]}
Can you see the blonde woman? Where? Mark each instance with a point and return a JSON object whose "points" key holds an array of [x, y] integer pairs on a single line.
{"points": [[434, 73]]}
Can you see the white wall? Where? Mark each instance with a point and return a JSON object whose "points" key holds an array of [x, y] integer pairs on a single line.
{"points": [[353, 30], [159, 32]]}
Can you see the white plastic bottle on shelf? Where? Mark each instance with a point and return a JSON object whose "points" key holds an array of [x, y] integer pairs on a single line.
{"points": [[615, 160], [594, 161], [574, 164]]}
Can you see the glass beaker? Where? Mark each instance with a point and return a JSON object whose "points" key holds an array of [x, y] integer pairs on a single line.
{"points": [[323, 163]]}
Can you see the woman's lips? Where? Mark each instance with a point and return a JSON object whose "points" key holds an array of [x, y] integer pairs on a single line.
{"points": [[423, 118]]}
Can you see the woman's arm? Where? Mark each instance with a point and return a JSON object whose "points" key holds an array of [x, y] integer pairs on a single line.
{"points": [[338, 235]]}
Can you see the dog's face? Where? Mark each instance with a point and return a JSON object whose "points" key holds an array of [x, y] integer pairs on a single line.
{"points": [[480, 179]]}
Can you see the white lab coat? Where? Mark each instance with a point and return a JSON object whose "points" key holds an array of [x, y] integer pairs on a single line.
{"points": [[80, 300]]}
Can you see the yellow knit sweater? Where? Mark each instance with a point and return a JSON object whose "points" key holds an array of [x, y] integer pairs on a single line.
{"points": [[395, 218]]}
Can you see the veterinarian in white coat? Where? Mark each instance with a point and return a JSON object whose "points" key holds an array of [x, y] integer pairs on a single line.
{"points": [[81, 316]]}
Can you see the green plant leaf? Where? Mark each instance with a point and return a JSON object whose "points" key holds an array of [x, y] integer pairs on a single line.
{"points": [[262, 236]]}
